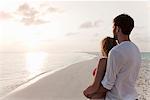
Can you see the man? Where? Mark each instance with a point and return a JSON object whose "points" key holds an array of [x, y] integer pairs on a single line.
{"points": [[123, 63]]}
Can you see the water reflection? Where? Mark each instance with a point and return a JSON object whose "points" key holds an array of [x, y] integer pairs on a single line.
{"points": [[35, 62]]}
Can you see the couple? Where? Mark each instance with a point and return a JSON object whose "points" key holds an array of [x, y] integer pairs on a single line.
{"points": [[118, 69]]}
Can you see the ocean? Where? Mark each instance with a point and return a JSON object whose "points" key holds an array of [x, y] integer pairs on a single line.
{"points": [[18, 68]]}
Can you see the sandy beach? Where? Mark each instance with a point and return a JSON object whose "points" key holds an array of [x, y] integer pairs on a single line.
{"points": [[69, 83], [143, 82], [66, 84]]}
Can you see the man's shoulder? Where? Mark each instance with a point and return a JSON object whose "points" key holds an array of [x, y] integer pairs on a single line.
{"points": [[115, 49], [125, 47], [116, 52], [120, 48]]}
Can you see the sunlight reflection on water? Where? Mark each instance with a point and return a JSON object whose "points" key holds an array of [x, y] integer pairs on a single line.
{"points": [[35, 61]]}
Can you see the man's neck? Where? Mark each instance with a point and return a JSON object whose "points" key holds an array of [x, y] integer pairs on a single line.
{"points": [[123, 38]]}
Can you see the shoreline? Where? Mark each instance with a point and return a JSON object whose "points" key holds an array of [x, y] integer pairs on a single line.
{"points": [[10, 88], [24, 89]]}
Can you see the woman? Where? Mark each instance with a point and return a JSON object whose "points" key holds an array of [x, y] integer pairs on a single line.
{"points": [[92, 91]]}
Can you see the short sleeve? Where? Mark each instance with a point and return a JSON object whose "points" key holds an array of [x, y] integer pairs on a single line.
{"points": [[113, 67]]}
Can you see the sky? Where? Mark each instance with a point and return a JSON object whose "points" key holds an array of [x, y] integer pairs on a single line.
{"points": [[45, 25]]}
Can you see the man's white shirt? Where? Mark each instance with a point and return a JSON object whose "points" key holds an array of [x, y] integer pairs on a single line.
{"points": [[122, 70]]}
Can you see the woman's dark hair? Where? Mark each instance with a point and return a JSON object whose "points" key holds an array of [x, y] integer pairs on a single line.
{"points": [[125, 22], [107, 44]]}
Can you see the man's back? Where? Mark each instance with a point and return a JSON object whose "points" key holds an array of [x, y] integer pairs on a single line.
{"points": [[122, 71]]}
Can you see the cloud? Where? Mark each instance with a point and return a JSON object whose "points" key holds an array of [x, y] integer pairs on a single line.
{"points": [[86, 25], [53, 9], [32, 16], [72, 33], [97, 23], [29, 15], [49, 8], [5, 15], [90, 24], [33, 21], [27, 11]]}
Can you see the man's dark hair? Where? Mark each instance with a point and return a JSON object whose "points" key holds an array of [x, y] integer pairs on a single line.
{"points": [[125, 22]]}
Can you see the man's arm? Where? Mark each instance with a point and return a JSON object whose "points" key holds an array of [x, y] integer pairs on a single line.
{"points": [[102, 89], [112, 69]]}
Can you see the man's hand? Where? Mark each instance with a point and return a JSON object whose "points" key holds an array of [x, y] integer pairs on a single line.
{"points": [[92, 91], [89, 92]]}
